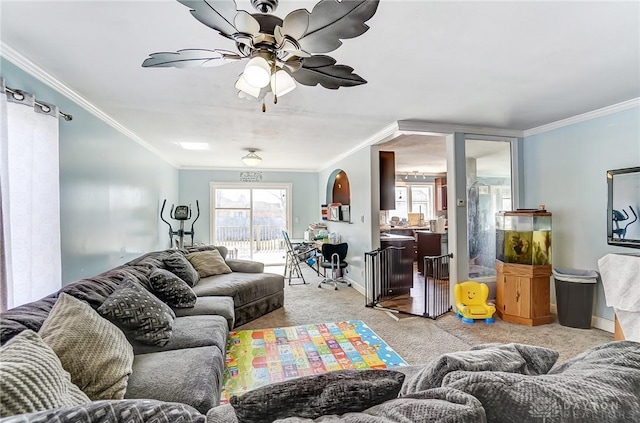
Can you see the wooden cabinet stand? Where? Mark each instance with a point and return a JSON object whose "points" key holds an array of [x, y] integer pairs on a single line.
{"points": [[522, 293]]}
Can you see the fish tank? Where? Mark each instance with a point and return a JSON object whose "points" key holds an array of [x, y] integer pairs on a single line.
{"points": [[523, 236]]}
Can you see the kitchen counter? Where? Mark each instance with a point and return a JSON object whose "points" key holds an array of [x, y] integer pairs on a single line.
{"points": [[394, 237]]}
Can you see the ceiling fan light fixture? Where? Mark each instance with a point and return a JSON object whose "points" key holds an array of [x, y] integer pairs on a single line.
{"points": [[257, 72], [245, 87], [282, 83], [252, 159]]}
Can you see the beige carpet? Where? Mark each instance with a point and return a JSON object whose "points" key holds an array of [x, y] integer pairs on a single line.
{"points": [[416, 339]]}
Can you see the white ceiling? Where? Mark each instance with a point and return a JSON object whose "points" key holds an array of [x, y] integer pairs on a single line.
{"points": [[515, 65]]}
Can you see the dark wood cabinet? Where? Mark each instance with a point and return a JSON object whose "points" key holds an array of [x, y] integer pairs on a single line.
{"points": [[430, 244], [387, 180], [411, 233], [441, 194], [401, 274]]}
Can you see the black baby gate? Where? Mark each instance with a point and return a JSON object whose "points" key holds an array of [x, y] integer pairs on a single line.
{"points": [[429, 294]]}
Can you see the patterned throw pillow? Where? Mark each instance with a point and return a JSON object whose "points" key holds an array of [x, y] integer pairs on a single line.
{"points": [[310, 397], [182, 268], [32, 378], [171, 289], [139, 313], [208, 263], [89, 345], [130, 411]]}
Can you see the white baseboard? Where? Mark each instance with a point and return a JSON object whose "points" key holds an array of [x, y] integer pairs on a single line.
{"points": [[596, 322]]}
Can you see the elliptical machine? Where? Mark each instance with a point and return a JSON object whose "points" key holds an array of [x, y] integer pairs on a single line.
{"points": [[181, 214]]}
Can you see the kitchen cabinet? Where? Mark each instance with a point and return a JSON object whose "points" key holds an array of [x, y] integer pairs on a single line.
{"points": [[400, 278], [522, 293], [408, 232], [441, 194], [387, 180], [430, 244]]}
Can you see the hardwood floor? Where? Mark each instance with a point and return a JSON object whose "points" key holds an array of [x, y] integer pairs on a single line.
{"points": [[437, 299]]}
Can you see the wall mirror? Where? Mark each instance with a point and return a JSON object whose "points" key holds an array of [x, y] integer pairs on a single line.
{"points": [[623, 207]]}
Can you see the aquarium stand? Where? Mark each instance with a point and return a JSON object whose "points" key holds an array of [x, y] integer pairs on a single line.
{"points": [[523, 293]]}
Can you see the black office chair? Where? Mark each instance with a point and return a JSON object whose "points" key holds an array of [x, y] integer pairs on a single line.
{"points": [[333, 257], [295, 255]]}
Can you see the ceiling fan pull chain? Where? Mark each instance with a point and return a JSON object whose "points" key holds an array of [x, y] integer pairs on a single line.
{"points": [[275, 99], [264, 106]]}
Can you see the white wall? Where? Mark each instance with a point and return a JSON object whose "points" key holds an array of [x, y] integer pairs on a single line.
{"points": [[565, 169], [358, 233]]}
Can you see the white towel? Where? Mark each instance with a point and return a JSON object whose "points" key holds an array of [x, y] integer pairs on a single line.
{"points": [[630, 324], [621, 281]]}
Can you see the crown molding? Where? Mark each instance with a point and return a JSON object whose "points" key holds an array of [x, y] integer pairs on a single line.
{"points": [[385, 134], [37, 72], [615, 108]]}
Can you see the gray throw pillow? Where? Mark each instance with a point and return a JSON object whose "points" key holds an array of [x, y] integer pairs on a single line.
{"points": [[88, 345], [139, 313], [513, 358], [180, 266], [310, 397], [130, 411], [171, 289], [33, 379]]}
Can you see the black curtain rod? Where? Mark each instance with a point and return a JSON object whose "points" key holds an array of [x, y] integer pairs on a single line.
{"points": [[19, 95]]}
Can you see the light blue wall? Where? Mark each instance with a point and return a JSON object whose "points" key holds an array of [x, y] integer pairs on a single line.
{"points": [[565, 169], [195, 185], [111, 188], [358, 233]]}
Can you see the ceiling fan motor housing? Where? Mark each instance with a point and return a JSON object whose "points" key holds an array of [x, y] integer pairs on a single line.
{"points": [[264, 6]]}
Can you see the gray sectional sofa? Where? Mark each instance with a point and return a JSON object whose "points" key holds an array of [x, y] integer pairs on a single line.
{"points": [[188, 368]]}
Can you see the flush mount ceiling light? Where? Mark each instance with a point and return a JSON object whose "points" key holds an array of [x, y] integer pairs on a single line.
{"points": [[252, 159], [280, 52]]}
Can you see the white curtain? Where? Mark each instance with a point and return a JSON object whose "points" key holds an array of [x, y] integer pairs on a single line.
{"points": [[30, 192]]}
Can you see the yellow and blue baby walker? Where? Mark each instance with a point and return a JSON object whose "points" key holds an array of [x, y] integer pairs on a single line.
{"points": [[471, 302]]}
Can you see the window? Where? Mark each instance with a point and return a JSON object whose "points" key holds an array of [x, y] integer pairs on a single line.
{"points": [[414, 198]]}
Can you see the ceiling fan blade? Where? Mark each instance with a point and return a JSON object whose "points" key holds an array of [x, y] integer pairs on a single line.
{"points": [[333, 20], [295, 24], [247, 24], [190, 58], [324, 71], [216, 14]]}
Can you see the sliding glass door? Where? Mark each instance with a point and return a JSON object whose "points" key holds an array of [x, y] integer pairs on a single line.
{"points": [[249, 220]]}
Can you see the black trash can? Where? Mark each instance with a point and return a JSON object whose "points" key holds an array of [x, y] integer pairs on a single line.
{"points": [[574, 296]]}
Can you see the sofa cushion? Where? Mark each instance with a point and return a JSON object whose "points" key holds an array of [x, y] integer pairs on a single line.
{"points": [[89, 345], [190, 332], [438, 405], [514, 358], [140, 314], [599, 385], [33, 379], [208, 263], [191, 376], [130, 411], [171, 289], [222, 306], [313, 396], [243, 287], [178, 264]]}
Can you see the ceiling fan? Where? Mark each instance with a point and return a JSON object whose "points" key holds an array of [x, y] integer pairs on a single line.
{"points": [[279, 51]]}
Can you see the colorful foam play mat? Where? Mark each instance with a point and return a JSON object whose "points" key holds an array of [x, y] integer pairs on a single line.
{"points": [[262, 356]]}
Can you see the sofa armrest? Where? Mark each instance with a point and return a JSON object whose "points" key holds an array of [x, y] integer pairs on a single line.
{"points": [[245, 266]]}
